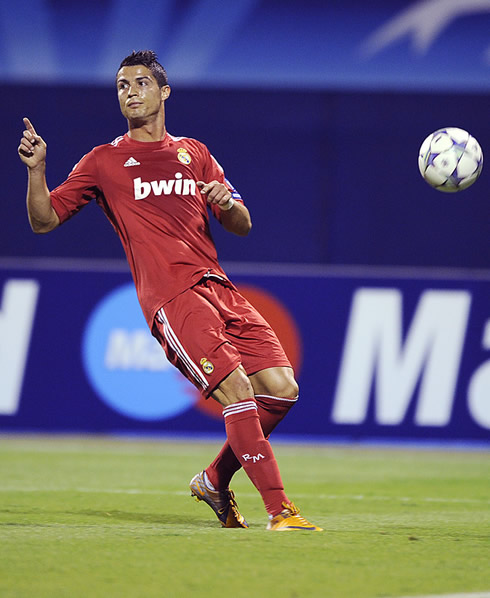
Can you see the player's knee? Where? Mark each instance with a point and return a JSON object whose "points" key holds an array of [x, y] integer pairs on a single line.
{"points": [[289, 390], [283, 384], [235, 387]]}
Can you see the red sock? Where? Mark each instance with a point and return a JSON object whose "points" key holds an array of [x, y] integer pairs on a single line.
{"points": [[271, 411], [254, 453]]}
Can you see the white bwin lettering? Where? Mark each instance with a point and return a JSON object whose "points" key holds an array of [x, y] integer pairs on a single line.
{"points": [[178, 186], [253, 458], [16, 319], [373, 350]]}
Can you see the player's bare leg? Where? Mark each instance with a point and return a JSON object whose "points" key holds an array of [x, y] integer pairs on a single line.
{"points": [[254, 453], [275, 392]]}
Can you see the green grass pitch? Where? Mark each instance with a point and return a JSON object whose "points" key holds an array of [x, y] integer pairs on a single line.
{"points": [[112, 518]]}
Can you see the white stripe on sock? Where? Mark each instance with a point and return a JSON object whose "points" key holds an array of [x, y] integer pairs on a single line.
{"points": [[239, 407]]}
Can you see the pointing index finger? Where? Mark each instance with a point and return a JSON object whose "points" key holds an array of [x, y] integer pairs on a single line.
{"points": [[29, 126]]}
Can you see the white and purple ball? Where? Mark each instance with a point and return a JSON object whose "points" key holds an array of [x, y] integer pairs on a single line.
{"points": [[450, 159]]}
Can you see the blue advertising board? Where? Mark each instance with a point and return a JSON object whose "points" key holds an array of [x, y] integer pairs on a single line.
{"points": [[379, 354]]}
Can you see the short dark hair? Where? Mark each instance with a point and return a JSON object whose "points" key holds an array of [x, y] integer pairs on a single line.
{"points": [[147, 58]]}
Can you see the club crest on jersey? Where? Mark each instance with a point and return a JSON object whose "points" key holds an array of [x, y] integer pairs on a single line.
{"points": [[183, 156], [207, 366]]}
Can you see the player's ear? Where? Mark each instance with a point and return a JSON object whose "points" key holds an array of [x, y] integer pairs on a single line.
{"points": [[165, 91]]}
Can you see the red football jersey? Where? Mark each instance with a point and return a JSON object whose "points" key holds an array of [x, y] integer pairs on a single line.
{"points": [[148, 191]]}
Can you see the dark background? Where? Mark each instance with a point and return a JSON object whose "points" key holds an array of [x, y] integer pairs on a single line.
{"points": [[330, 177]]}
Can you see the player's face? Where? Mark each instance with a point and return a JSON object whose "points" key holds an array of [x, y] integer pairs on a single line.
{"points": [[140, 98]]}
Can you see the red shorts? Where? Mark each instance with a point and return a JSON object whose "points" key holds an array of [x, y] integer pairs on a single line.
{"points": [[210, 329]]}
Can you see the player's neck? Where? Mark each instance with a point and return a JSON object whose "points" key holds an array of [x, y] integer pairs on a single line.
{"points": [[146, 131]]}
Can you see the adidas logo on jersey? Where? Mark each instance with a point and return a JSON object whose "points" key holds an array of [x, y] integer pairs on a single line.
{"points": [[131, 162], [178, 186]]}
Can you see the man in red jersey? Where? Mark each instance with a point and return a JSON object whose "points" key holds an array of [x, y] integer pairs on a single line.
{"points": [[156, 190]]}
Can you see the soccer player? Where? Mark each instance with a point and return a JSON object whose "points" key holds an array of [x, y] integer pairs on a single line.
{"points": [[156, 190]]}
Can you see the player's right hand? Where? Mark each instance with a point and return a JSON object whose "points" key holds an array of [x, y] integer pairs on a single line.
{"points": [[32, 148]]}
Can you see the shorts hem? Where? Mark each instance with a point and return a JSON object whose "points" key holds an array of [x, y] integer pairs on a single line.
{"points": [[278, 363]]}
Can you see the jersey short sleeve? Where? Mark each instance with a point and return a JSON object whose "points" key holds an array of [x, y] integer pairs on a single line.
{"points": [[78, 190]]}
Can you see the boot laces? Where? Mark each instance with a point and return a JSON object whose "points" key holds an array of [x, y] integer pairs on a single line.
{"points": [[293, 511]]}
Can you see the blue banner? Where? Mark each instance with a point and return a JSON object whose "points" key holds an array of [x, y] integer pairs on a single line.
{"points": [[349, 44], [385, 354]]}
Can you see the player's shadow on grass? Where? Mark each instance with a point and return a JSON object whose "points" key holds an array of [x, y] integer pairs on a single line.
{"points": [[152, 518]]}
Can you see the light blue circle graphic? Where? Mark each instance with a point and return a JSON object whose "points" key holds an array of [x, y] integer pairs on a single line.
{"points": [[126, 365]]}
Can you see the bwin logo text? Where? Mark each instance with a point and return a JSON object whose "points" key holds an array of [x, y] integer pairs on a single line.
{"points": [[178, 186]]}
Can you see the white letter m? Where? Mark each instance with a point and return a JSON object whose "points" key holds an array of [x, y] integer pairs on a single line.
{"points": [[373, 350]]}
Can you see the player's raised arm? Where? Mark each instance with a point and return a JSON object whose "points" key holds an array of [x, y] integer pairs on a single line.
{"points": [[32, 151], [235, 217]]}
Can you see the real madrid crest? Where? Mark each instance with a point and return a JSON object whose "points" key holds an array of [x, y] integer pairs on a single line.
{"points": [[207, 366], [183, 156]]}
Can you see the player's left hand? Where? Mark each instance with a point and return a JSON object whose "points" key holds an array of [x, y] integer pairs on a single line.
{"points": [[216, 192]]}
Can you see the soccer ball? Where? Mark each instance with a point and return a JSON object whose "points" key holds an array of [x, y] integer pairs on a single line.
{"points": [[450, 159]]}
